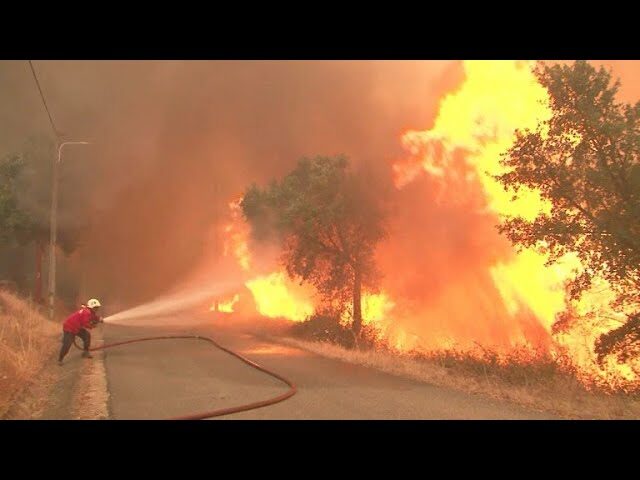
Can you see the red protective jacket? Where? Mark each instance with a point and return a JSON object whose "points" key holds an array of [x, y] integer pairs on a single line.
{"points": [[83, 318]]}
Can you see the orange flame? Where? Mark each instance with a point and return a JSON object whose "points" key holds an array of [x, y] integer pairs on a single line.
{"points": [[478, 122], [504, 300], [227, 306], [278, 297]]}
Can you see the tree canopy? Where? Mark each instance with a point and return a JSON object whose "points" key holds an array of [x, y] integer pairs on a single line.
{"points": [[14, 221], [328, 220], [25, 206], [585, 161]]}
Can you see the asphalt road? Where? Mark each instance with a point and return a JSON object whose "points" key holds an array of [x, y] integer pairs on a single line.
{"points": [[166, 378]]}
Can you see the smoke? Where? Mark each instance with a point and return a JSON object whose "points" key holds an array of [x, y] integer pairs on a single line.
{"points": [[173, 141]]}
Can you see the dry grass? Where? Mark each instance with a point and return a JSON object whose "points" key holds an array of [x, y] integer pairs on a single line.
{"points": [[91, 395], [536, 383], [32, 402], [27, 341]]}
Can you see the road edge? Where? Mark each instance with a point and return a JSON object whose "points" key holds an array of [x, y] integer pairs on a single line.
{"points": [[91, 393], [427, 375]]}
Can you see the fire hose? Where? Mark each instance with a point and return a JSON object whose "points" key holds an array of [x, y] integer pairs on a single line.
{"points": [[222, 411]]}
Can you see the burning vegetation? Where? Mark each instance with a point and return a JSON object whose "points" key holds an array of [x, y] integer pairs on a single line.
{"points": [[509, 226]]}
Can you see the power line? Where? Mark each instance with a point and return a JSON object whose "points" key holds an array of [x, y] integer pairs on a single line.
{"points": [[35, 77]]}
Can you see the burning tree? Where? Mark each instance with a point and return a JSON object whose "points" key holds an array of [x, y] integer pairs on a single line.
{"points": [[585, 162], [328, 220]]}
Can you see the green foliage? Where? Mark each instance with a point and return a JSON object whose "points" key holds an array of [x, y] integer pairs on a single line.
{"points": [[585, 162], [25, 197], [623, 342], [325, 326], [25, 206], [14, 222], [328, 220]]}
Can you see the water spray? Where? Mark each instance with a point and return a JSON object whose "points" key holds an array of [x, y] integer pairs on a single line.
{"points": [[171, 303]]}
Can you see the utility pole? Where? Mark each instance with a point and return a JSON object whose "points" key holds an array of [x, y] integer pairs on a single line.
{"points": [[37, 295], [53, 230]]}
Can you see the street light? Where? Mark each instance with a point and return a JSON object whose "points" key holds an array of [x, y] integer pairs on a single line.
{"points": [[54, 225]]}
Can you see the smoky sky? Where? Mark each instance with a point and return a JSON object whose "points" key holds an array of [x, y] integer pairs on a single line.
{"points": [[173, 142]]}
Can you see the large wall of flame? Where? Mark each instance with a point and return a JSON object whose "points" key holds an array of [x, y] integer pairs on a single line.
{"points": [[437, 266]]}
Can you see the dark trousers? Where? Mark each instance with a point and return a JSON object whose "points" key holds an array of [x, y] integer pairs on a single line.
{"points": [[67, 341]]}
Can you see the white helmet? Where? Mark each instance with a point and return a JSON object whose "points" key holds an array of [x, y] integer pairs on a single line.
{"points": [[93, 303]]}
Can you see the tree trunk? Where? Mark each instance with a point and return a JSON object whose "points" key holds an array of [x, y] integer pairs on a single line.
{"points": [[357, 302], [37, 295]]}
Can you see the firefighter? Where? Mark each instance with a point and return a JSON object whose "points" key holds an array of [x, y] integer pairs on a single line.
{"points": [[78, 324]]}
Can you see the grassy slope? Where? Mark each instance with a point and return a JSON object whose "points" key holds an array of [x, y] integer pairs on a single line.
{"points": [[27, 341]]}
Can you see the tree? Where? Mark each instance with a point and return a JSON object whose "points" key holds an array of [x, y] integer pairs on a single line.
{"points": [[25, 202], [585, 161], [328, 220], [13, 220], [16, 225]]}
